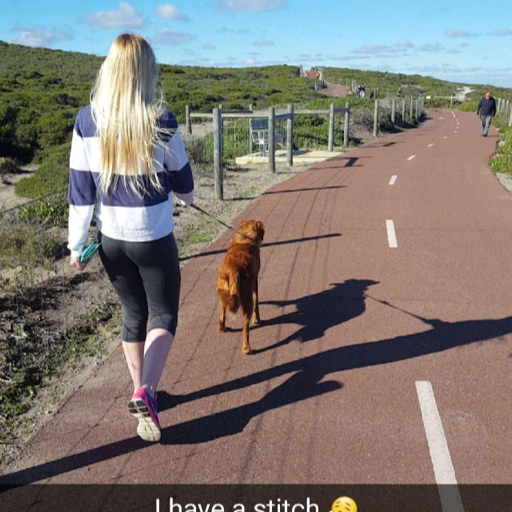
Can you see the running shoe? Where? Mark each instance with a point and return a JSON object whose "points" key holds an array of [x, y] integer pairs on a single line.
{"points": [[144, 407]]}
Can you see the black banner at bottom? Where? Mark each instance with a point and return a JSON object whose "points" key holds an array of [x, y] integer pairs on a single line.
{"points": [[256, 498]]}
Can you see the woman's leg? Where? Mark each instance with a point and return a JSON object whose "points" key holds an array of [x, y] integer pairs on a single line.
{"points": [[160, 271], [134, 354], [127, 282], [158, 343]]}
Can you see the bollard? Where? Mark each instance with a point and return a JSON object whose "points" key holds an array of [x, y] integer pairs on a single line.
{"points": [[331, 128], [376, 118], [289, 137], [346, 127], [272, 140], [393, 112], [188, 124], [217, 152]]}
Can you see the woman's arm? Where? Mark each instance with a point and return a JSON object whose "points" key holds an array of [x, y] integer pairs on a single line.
{"points": [[81, 197], [179, 171]]}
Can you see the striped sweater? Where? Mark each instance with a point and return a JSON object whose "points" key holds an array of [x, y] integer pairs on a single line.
{"points": [[122, 214]]}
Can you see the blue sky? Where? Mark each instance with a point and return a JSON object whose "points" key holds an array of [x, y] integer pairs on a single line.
{"points": [[462, 41]]}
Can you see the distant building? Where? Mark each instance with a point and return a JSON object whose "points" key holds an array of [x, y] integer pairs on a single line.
{"points": [[314, 73]]}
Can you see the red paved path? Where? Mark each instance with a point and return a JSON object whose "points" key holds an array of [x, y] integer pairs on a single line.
{"points": [[329, 395]]}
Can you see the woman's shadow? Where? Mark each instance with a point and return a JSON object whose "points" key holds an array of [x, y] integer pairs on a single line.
{"points": [[317, 313]]}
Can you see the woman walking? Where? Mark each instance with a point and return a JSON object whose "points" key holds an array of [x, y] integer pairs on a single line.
{"points": [[127, 150]]}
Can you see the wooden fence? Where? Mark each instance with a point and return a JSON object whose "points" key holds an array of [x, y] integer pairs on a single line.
{"points": [[273, 116]]}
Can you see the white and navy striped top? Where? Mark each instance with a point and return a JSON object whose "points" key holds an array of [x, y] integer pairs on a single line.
{"points": [[122, 214]]}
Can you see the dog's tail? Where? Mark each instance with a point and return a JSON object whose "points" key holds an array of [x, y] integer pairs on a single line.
{"points": [[228, 289]]}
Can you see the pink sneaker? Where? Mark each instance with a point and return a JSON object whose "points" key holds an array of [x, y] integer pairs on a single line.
{"points": [[143, 407]]}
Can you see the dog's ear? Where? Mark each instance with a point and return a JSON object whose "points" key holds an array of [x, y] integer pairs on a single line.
{"points": [[261, 229]]}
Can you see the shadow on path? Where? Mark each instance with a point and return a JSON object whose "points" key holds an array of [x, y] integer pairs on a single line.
{"points": [[270, 244], [307, 376]]}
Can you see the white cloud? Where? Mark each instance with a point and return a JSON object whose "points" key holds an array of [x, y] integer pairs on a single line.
{"points": [[170, 12], [404, 44], [39, 37], [250, 62], [382, 50], [503, 32], [460, 33], [263, 42], [431, 47], [208, 46], [126, 16], [172, 37], [250, 5], [207, 63], [225, 30]]}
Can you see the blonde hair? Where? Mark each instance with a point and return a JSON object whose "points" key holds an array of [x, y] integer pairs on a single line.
{"points": [[125, 109]]}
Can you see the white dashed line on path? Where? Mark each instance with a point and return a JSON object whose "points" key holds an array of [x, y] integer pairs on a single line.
{"points": [[445, 137], [430, 145], [411, 157], [438, 447], [393, 179], [390, 228]]}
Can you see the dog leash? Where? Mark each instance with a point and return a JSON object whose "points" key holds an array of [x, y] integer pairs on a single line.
{"points": [[220, 222]]}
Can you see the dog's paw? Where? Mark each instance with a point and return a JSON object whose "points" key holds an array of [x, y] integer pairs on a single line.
{"points": [[222, 328], [246, 349]]}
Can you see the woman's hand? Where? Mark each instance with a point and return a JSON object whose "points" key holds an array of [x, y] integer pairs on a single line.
{"points": [[75, 263]]}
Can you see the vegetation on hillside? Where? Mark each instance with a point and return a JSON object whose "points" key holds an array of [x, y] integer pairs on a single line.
{"points": [[42, 90]]}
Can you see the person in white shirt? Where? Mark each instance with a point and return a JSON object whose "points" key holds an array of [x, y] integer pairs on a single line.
{"points": [[127, 161]]}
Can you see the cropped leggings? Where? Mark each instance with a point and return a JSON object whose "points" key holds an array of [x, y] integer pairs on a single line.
{"points": [[146, 278]]}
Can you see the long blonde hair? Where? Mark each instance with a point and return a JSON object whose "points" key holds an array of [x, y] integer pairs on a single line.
{"points": [[126, 109]]}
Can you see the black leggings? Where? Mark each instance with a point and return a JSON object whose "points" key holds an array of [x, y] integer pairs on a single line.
{"points": [[146, 278]]}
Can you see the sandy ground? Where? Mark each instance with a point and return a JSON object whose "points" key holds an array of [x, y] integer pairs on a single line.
{"points": [[336, 91], [8, 199]]}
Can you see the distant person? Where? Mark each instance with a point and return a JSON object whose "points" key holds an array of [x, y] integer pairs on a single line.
{"points": [[399, 92], [363, 91], [486, 110], [127, 150]]}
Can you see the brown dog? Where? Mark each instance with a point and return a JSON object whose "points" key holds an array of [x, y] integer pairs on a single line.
{"points": [[237, 281]]}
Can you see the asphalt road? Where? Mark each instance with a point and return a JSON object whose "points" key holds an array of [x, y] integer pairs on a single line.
{"points": [[374, 363]]}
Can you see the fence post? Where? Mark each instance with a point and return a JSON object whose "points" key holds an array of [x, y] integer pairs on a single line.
{"points": [[188, 124], [272, 140], [417, 109], [217, 152], [221, 134], [376, 118], [451, 100], [331, 128], [510, 120], [250, 131], [345, 131], [289, 137], [411, 112], [403, 113], [393, 111]]}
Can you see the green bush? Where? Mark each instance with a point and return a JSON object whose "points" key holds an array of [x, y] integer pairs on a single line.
{"points": [[468, 106], [52, 175], [53, 211], [502, 161]]}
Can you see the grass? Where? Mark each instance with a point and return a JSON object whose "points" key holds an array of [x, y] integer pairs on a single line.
{"points": [[34, 353], [502, 161]]}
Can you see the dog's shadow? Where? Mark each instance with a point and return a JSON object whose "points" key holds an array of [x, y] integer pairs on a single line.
{"points": [[317, 313]]}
